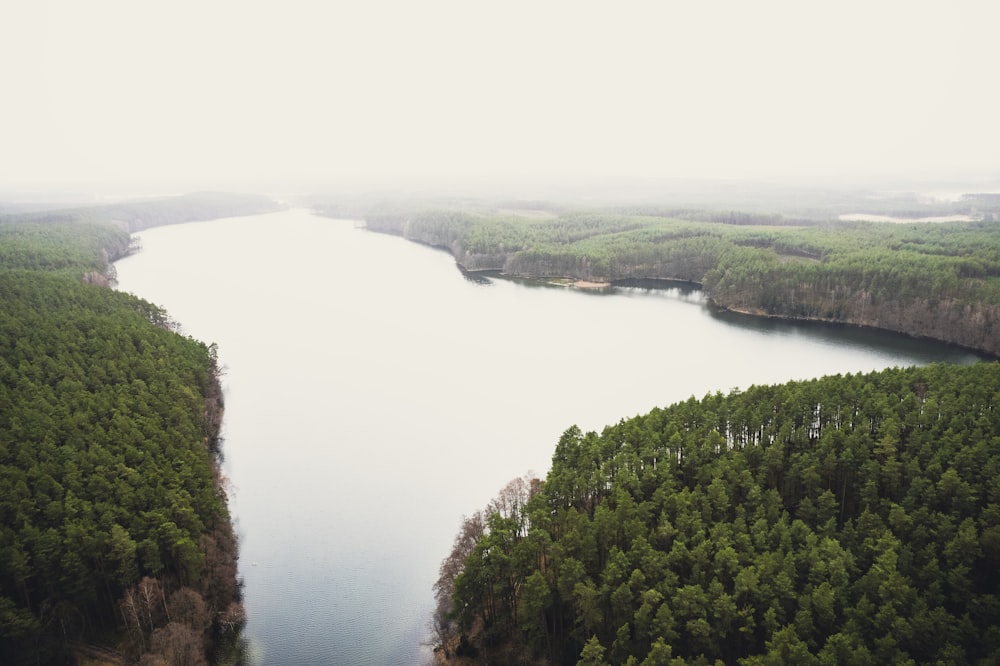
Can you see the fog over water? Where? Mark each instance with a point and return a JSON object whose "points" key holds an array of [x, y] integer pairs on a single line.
{"points": [[374, 396]]}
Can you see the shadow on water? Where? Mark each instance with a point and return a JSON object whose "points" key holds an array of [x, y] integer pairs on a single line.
{"points": [[851, 335], [923, 350], [483, 278], [354, 586], [684, 288]]}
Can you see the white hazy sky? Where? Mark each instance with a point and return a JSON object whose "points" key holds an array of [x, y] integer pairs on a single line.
{"points": [[207, 92]]}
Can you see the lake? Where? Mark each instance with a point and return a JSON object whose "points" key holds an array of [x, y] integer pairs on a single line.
{"points": [[374, 396]]}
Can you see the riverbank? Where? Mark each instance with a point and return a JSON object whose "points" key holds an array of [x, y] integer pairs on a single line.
{"points": [[374, 347], [718, 466], [571, 282], [112, 431], [757, 313], [946, 289]]}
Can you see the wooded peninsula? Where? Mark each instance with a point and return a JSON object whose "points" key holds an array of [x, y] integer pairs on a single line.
{"points": [[847, 519], [925, 279], [852, 519], [116, 544]]}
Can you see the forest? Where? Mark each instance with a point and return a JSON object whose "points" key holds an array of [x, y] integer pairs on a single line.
{"points": [[848, 519], [116, 544], [851, 519], [933, 280]]}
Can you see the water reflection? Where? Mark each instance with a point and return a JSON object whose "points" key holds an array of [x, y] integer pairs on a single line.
{"points": [[373, 397]]}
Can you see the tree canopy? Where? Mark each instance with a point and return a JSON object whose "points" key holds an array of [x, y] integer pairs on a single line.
{"points": [[114, 529], [940, 281], [848, 519]]}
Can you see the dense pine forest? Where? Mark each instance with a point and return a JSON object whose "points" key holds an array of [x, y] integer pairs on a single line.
{"points": [[115, 540], [851, 519], [935, 280], [846, 520]]}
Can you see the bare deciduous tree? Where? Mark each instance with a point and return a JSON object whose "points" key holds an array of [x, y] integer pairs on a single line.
{"points": [[186, 607], [132, 612], [151, 601], [510, 504], [178, 645], [472, 529], [231, 619]]}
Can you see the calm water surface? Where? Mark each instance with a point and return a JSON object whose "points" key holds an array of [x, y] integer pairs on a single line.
{"points": [[374, 396]]}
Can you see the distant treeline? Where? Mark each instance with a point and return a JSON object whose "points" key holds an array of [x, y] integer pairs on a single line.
{"points": [[136, 215], [940, 281], [115, 537], [853, 519]]}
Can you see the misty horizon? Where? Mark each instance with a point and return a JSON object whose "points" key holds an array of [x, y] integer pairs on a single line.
{"points": [[690, 192], [115, 97]]}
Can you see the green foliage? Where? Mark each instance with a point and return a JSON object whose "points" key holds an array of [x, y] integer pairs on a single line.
{"points": [[61, 247], [933, 280], [849, 519], [108, 430]]}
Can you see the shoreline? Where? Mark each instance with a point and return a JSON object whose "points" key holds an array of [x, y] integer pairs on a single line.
{"points": [[587, 284], [572, 282], [760, 314]]}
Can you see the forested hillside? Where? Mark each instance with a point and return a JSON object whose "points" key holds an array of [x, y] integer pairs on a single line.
{"points": [[940, 281], [847, 520], [115, 538]]}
